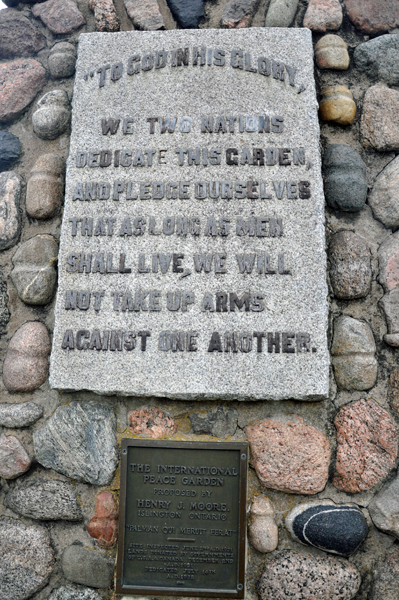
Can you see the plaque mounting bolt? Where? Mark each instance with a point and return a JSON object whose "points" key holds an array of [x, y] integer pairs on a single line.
{"points": [[124, 451], [243, 456], [239, 586]]}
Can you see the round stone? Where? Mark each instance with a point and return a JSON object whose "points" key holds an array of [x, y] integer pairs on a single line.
{"points": [[62, 60], [345, 184], [331, 52], [350, 266], [388, 261], [323, 15], [53, 115], [263, 531], [20, 415], [14, 460], [34, 273], [20, 81], [384, 199], [281, 13], [379, 58], [18, 35], [45, 189], [379, 125], [87, 567], [150, 421], [373, 16], [337, 105]]}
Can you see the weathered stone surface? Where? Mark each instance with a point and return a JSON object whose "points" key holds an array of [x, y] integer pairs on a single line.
{"points": [[350, 266], [337, 105], [345, 183], [390, 306], [383, 199], [10, 194], [379, 58], [26, 559], [104, 524], [4, 312], [20, 415], [219, 422], [393, 391], [281, 13], [353, 348], [289, 456], [74, 592], [388, 262], [384, 509], [385, 578], [60, 16], [263, 531], [187, 13], [45, 189], [239, 13], [335, 528], [323, 15], [34, 273], [50, 500], [331, 52], [87, 567], [26, 364], [62, 60], [53, 115], [105, 15], [18, 36], [10, 149], [14, 460], [367, 438], [145, 14], [302, 577], [379, 126], [79, 441], [373, 16], [20, 81], [150, 421]]}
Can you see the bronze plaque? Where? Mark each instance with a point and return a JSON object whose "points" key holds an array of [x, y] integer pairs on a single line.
{"points": [[182, 518]]}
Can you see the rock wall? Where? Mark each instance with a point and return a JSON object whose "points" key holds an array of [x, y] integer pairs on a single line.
{"points": [[323, 494]]}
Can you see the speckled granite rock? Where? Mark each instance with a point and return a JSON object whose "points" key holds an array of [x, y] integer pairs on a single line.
{"points": [[18, 35], [62, 60], [345, 184], [20, 415], [281, 13], [10, 195], [373, 16], [4, 311], [263, 531], [14, 460], [323, 15], [379, 58], [26, 364], [336, 528], [46, 500], [383, 198], [384, 509], [290, 455], [10, 149], [367, 446], [87, 567], [393, 391], [385, 578], [379, 126], [60, 16], [20, 81], [104, 524], [74, 592], [239, 13], [53, 115], [353, 354], [219, 422], [79, 441], [145, 14], [34, 273], [350, 266], [105, 15], [150, 421], [303, 577], [26, 559]]}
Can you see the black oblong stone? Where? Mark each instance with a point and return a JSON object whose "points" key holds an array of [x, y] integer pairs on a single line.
{"points": [[337, 529], [345, 183], [10, 149], [188, 13]]}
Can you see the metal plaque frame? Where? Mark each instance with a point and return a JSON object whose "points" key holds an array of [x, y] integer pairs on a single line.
{"points": [[132, 447]]}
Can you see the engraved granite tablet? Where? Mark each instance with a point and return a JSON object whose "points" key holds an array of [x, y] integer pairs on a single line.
{"points": [[192, 261]]}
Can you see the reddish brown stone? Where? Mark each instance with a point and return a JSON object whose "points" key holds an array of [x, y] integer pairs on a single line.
{"points": [[26, 364], [323, 15], [367, 438], [60, 16], [18, 36], [379, 125], [290, 456], [105, 15], [13, 458], [150, 421], [393, 391], [20, 81], [373, 16], [239, 13], [145, 14], [104, 523], [388, 262]]}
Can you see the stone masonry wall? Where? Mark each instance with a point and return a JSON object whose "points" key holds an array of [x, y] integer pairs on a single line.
{"points": [[326, 467]]}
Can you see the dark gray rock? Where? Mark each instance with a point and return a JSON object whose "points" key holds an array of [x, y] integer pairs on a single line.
{"points": [[50, 500], [10, 222], [303, 577], [34, 273], [219, 422], [26, 559], [281, 13], [62, 60], [384, 509], [20, 415], [386, 577], [10, 149], [79, 441], [187, 13], [74, 592], [350, 266], [339, 529], [345, 184], [87, 567], [239, 13], [4, 312], [379, 58], [18, 36], [53, 115]]}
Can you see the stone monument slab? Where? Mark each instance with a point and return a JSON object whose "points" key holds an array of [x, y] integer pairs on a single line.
{"points": [[192, 259]]}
